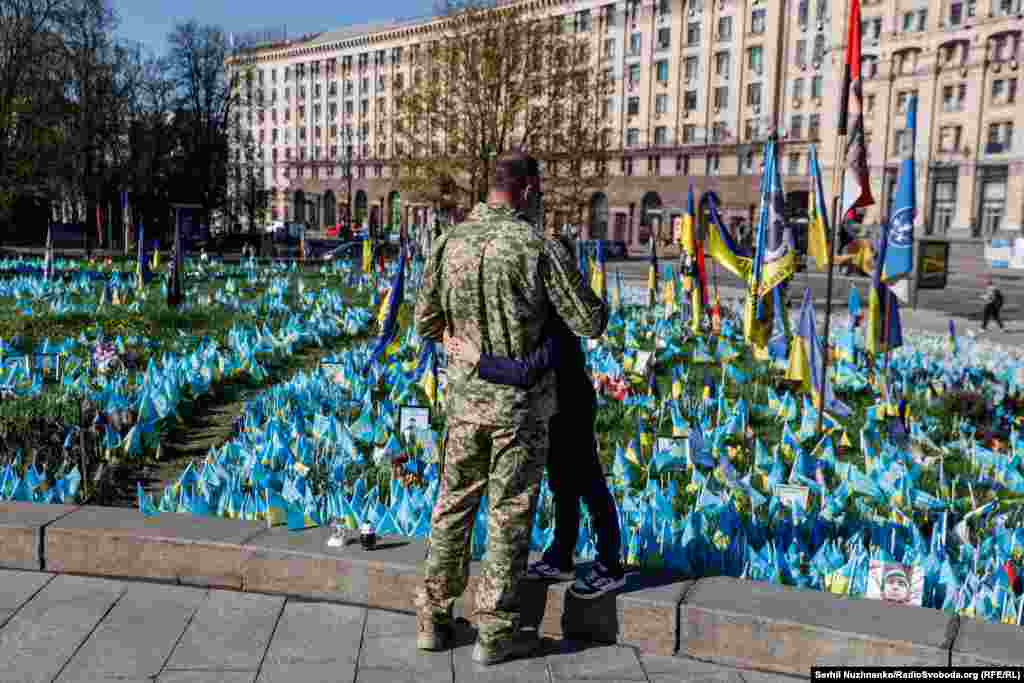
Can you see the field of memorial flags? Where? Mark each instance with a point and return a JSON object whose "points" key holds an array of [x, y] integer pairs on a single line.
{"points": [[714, 456]]}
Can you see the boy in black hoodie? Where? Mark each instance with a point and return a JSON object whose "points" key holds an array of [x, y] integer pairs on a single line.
{"points": [[574, 470]]}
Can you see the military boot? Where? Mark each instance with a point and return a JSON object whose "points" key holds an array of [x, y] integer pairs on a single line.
{"points": [[432, 635], [521, 644]]}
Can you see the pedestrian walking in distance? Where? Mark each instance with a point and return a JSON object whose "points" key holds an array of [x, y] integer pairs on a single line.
{"points": [[574, 469], [993, 299], [493, 280]]}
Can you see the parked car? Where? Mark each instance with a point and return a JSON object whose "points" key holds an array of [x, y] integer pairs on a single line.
{"points": [[612, 249]]}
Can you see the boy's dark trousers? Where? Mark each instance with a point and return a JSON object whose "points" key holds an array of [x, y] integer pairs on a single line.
{"points": [[991, 312], [575, 473]]}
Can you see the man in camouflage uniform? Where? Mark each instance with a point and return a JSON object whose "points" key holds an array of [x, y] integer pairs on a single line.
{"points": [[493, 280]]}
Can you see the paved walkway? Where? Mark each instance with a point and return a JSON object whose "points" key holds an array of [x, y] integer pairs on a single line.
{"points": [[71, 629]]}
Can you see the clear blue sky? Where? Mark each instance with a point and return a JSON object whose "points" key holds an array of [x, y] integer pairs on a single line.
{"points": [[149, 21]]}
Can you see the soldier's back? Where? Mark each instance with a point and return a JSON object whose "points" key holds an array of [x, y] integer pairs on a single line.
{"points": [[493, 294]]}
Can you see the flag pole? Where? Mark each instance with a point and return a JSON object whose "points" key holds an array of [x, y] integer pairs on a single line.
{"points": [[837, 192]]}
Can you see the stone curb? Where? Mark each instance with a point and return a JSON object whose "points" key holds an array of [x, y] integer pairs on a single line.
{"points": [[721, 620]]}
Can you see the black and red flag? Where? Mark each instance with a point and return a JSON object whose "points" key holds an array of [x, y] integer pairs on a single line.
{"points": [[856, 184]]}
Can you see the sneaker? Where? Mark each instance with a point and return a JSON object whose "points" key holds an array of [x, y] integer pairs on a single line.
{"points": [[521, 644], [542, 571], [432, 636], [598, 581]]}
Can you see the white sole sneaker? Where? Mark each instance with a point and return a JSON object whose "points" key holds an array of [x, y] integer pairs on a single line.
{"points": [[587, 592]]}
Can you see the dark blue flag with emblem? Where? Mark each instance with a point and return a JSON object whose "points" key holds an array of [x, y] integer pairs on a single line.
{"points": [[899, 252]]}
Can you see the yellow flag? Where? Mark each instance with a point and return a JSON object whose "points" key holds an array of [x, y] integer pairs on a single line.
{"points": [[367, 257]]}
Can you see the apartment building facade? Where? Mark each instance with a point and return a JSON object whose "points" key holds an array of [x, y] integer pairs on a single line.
{"points": [[698, 86]]}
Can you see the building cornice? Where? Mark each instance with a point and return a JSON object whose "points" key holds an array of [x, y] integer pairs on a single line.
{"points": [[386, 35]]}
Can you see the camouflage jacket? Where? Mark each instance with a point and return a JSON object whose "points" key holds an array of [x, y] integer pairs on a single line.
{"points": [[494, 280]]}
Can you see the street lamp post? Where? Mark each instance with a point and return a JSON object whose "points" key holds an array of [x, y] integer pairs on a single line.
{"points": [[348, 174]]}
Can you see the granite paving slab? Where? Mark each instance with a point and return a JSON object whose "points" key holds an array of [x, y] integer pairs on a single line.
{"points": [[229, 631], [21, 532], [389, 653], [754, 625], [45, 633], [980, 643], [673, 669], [210, 677], [136, 637], [573, 660], [314, 643], [201, 551], [18, 587]]}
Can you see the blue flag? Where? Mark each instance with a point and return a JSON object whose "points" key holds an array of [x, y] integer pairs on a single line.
{"points": [[899, 253]]}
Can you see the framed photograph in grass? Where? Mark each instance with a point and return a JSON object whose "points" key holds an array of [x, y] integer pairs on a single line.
{"points": [[412, 419], [642, 364], [788, 494], [50, 365]]}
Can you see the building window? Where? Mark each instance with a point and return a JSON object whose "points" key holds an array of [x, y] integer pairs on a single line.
{"points": [[993, 206], [1004, 91], [816, 87], [814, 126], [634, 45], [662, 71], [607, 107], [1000, 138], [724, 29], [721, 97], [691, 66], [793, 164], [627, 166], [755, 59], [901, 141], [661, 104], [713, 164], [632, 137], [747, 165], [633, 106], [653, 165], [903, 100], [750, 130], [689, 134], [583, 21], [693, 33], [949, 138], [801, 53], [664, 38], [819, 50], [718, 131], [796, 127], [758, 20], [634, 75], [690, 103], [722, 64], [661, 136], [798, 89], [753, 94], [682, 165], [869, 104], [944, 205], [953, 97]]}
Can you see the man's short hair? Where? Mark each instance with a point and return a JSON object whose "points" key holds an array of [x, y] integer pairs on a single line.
{"points": [[513, 169]]}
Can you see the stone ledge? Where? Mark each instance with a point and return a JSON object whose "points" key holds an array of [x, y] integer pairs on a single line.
{"points": [[981, 643], [775, 628], [21, 533], [722, 620], [120, 542]]}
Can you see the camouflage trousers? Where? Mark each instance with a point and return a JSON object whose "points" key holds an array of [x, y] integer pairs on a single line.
{"points": [[507, 463]]}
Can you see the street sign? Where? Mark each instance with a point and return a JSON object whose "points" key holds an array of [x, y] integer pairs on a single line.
{"points": [[932, 264]]}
